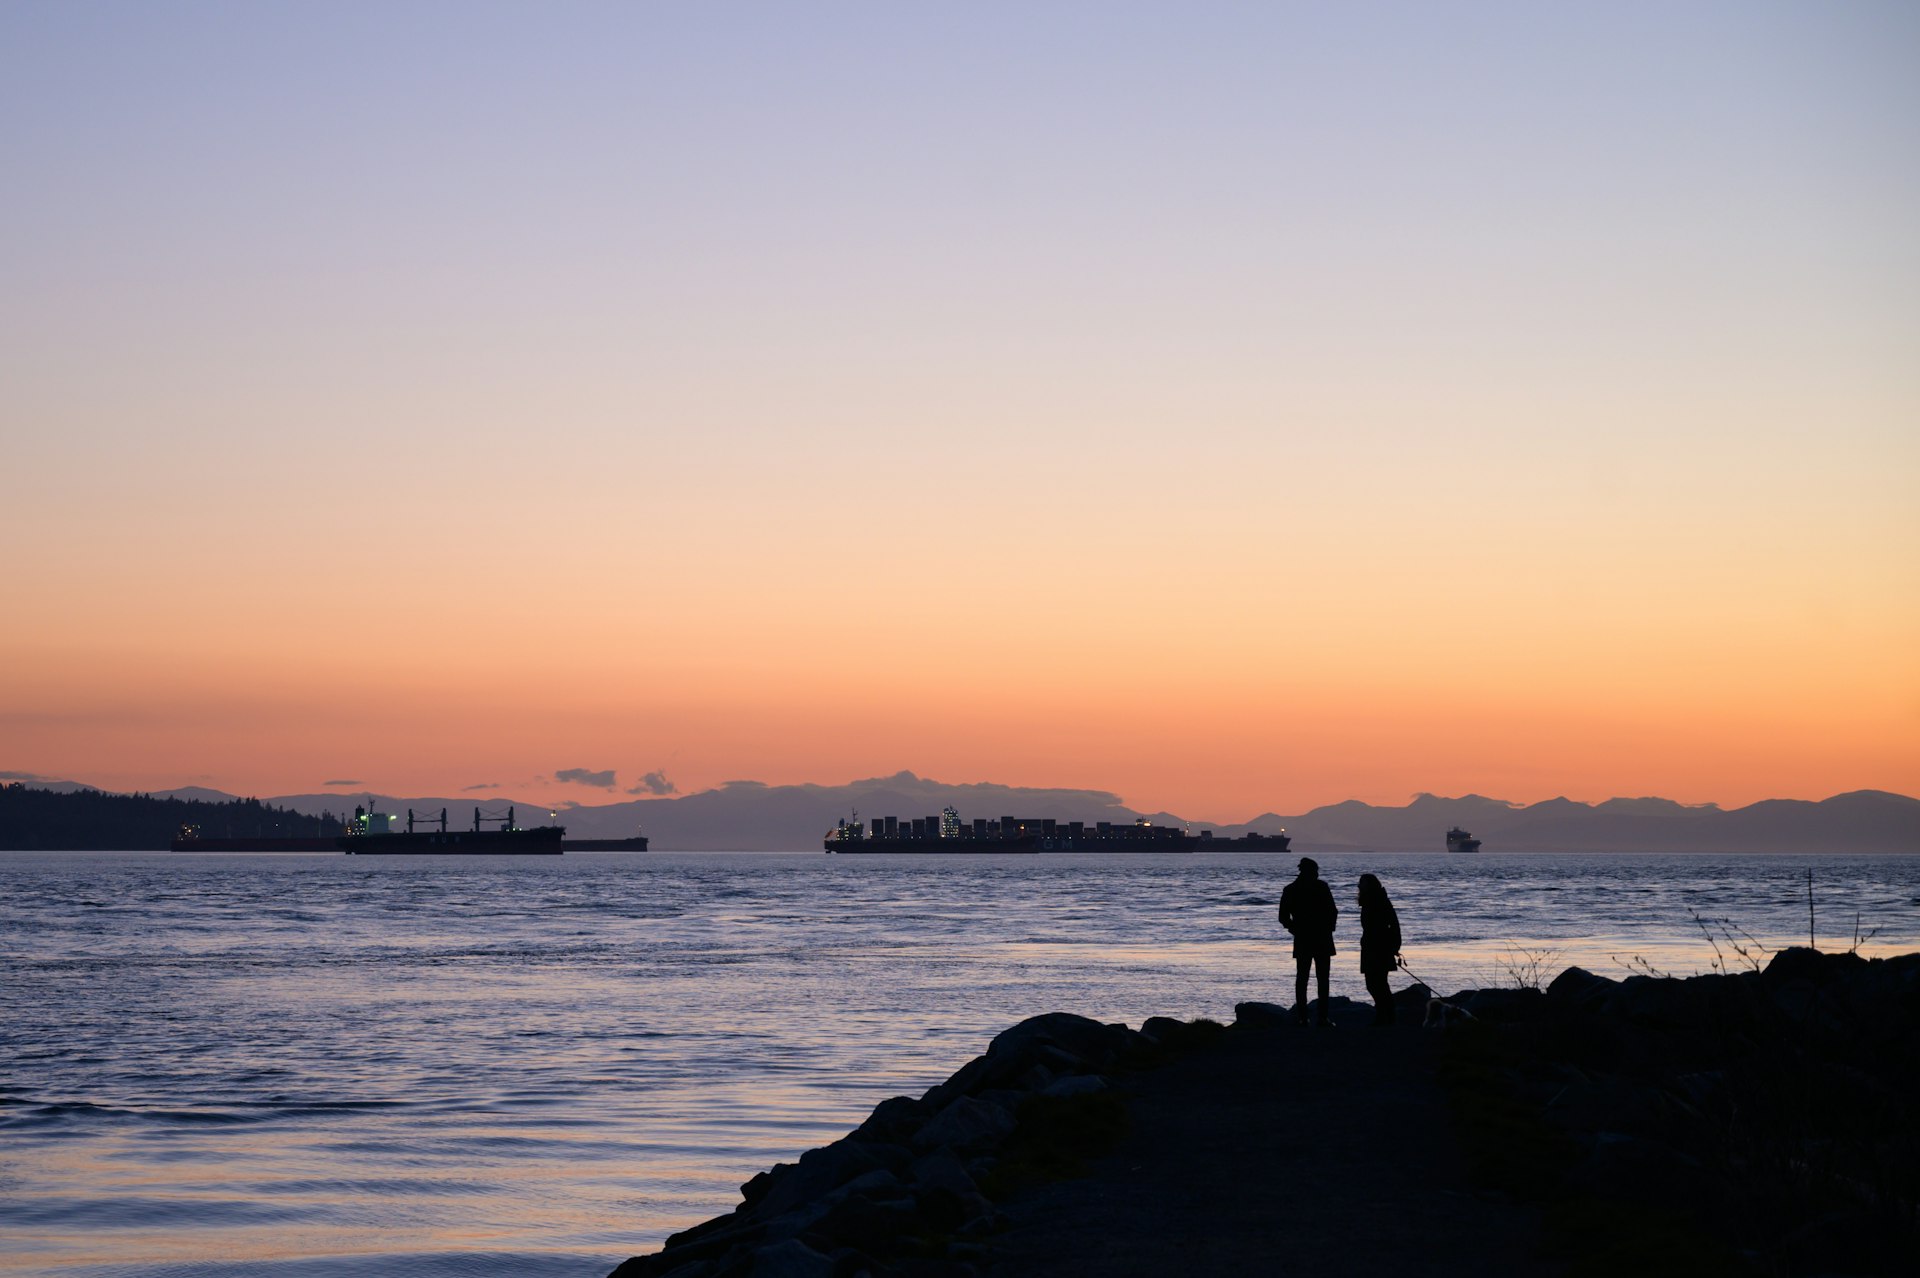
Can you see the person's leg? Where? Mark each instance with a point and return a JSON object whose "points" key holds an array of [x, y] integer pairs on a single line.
{"points": [[1320, 970], [1300, 987], [1382, 998]]}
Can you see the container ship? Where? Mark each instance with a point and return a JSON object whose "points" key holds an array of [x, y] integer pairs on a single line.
{"points": [[947, 834]]}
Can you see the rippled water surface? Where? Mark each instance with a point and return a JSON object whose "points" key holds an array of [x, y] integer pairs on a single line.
{"points": [[321, 1065]]}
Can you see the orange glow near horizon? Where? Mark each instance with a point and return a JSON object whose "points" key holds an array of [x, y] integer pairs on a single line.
{"points": [[1212, 719]]}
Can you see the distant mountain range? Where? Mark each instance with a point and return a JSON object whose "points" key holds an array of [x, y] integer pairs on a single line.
{"points": [[752, 816]]}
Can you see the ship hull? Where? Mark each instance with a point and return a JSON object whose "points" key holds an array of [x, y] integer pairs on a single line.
{"points": [[935, 847], [636, 844], [1178, 842], [1265, 843]]}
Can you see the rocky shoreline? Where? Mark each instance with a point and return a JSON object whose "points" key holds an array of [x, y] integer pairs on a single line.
{"points": [[913, 1182], [1760, 1123]]}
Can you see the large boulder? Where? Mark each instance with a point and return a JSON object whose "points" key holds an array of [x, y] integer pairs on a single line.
{"points": [[1798, 963], [1081, 1038], [1410, 1004], [1255, 1015], [1033, 1053], [790, 1259], [1171, 1036], [696, 1251], [967, 1125], [1650, 999], [1075, 1085], [869, 1220], [1577, 989], [941, 1169], [817, 1172], [1341, 1010], [1501, 1004], [895, 1120]]}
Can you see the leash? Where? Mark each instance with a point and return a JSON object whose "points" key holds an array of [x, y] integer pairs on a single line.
{"points": [[1433, 997], [1417, 978]]}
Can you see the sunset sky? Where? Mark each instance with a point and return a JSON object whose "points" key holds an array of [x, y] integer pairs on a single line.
{"points": [[1237, 407]]}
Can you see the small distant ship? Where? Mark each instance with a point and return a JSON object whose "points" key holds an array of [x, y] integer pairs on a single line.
{"points": [[947, 834], [1251, 841], [633, 843], [371, 834], [1458, 840]]}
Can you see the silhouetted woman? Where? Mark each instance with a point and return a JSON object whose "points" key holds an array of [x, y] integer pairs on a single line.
{"points": [[1379, 946]]}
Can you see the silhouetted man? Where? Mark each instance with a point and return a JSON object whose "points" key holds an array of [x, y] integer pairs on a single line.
{"points": [[1307, 910]]}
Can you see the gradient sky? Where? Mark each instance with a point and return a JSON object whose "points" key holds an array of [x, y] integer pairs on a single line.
{"points": [[1239, 407]]}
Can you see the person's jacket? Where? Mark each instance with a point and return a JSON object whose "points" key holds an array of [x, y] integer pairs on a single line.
{"points": [[1307, 910], [1379, 935]]}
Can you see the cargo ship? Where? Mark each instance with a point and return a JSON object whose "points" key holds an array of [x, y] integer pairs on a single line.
{"points": [[371, 834], [947, 834], [1458, 840]]}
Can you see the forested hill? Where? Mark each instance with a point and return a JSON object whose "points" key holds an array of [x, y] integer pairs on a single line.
{"points": [[90, 820]]}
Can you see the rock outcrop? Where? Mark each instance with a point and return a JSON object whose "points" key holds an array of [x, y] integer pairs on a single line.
{"points": [[1757, 1123]]}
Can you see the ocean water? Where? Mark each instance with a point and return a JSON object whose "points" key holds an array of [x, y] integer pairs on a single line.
{"points": [[322, 1065]]}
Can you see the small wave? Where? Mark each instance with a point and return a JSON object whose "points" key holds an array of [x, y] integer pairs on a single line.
{"points": [[40, 1115], [26, 1114], [198, 1117], [282, 1106], [132, 1212], [444, 1264], [379, 1187]]}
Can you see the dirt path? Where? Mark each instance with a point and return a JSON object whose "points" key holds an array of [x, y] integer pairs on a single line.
{"points": [[1303, 1151]]}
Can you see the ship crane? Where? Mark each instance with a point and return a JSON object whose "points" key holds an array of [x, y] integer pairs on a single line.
{"points": [[443, 820], [506, 822]]}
